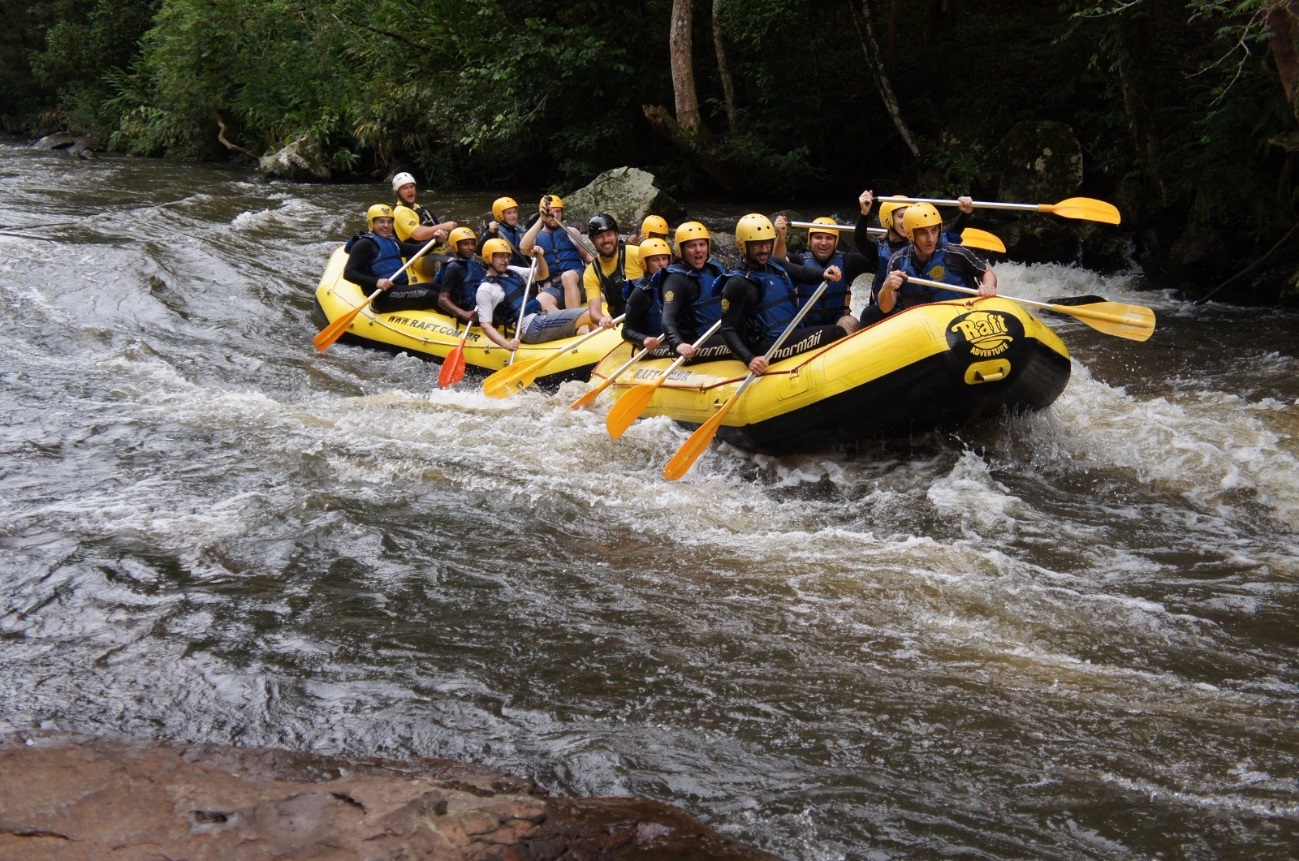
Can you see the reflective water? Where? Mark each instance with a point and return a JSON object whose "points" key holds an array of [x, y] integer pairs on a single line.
{"points": [[1069, 636]]}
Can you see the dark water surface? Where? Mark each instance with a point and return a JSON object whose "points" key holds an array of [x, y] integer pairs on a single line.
{"points": [[1070, 636]]}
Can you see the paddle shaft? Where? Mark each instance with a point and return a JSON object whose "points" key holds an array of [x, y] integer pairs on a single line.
{"points": [[970, 236], [784, 336], [634, 401], [523, 309], [589, 397], [1084, 208], [1063, 309]]}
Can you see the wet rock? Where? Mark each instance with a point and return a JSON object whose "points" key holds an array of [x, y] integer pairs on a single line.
{"points": [[628, 194], [299, 161], [75, 797], [1037, 162], [1040, 239], [1198, 259], [58, 140]]}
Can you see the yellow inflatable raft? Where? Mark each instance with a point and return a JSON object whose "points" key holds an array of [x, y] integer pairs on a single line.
{"points": [[433, 335], [933, 365]]}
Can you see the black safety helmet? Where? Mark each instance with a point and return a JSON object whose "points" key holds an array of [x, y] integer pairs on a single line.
{"points": [[600, 223]]}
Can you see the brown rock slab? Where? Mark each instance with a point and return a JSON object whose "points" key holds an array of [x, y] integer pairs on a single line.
{"points": [[77, 797]]}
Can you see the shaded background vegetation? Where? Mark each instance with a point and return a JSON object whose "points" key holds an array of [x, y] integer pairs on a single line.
{"points": [[1185, 115]]}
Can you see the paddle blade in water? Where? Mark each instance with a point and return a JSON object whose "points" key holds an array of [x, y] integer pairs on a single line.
{"points": [[690, 450], [453, 367], [515, 378], [331, 333], [629, 407]]}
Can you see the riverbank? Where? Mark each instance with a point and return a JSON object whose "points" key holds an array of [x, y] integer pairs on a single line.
{"points": [[73, 797]]}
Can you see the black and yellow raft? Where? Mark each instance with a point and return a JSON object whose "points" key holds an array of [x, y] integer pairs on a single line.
{"points": [[937, 365], [433, 335]]}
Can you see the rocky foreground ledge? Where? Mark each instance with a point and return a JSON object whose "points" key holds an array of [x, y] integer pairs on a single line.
{"points": [[72, 797]]}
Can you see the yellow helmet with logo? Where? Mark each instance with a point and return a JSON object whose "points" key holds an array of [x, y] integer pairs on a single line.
{"points": [[492, 247], [554, 201], [654, 247], [832, 227], [379, 210], [500, 204], [460, 234], [886, 212], [754, 227], [920, 215], [692, 230], [655, 225]]}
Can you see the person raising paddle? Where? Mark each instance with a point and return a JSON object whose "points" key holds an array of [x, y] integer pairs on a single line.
{"points": [[835, 305], [932, 257], [564, 251]]}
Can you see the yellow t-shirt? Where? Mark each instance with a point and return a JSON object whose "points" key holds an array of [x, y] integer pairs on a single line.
{"points": [[591, 281], [404, 221]]}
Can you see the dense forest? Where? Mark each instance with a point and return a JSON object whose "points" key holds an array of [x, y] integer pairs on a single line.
{"points": [[1187, 111]]}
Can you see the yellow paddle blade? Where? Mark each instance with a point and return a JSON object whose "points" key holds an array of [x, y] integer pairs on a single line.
{"points": [[1134, 322], [331, 333], [508, 381], [1084, 208], [589, 398], [976, 238], [629, 407], [690, 450]]}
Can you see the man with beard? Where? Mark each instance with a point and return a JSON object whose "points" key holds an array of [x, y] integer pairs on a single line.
{"points": [[605, 278], [759, 299], [414, 223], [564, 252]]}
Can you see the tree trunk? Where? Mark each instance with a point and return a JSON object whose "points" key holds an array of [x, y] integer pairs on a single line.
{"points": [[724, 66], [681, 46], [875, 63], [1284, 44]]}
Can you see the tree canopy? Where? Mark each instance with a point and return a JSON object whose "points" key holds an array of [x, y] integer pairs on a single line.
{"points": [[1187, 106]]}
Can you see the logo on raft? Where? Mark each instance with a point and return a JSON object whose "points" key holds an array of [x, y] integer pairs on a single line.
{"points": [[986, 333]]}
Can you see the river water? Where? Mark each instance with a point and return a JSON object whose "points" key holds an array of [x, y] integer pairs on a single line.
{"points": [[1068, 636]]}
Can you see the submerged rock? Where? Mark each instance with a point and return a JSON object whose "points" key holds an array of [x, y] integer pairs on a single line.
{"points": [[77, 797]]}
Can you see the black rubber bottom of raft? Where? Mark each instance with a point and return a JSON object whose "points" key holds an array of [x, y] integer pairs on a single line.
{"points": [[927, 395]]}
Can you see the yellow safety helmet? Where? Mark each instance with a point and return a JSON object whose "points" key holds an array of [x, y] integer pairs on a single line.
{"points": [[886, 212], [652, 248], [655, 225], [920, 215], [833, 228], [492, 247], [692, 230], [500, 204], [754, 227], [379, 210], [554, 201], [460, 234]]}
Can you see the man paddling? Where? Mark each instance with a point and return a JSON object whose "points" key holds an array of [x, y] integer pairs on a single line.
{"points": [[692, 296], [643, 325], [458, 279], [759, 300], [372, 257], [931, 256]]}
